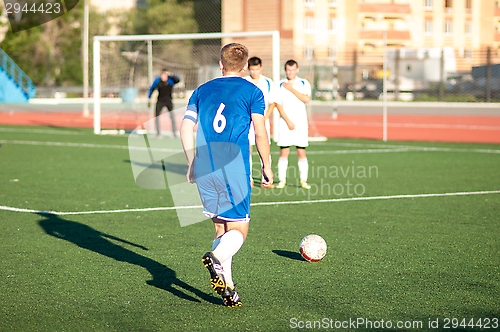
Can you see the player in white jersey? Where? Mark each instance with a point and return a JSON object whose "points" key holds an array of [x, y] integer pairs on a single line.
{"points": [[295, 93], [271, 95]]}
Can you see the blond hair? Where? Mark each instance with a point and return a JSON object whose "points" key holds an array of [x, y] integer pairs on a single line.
{"points": [[234, 57]]}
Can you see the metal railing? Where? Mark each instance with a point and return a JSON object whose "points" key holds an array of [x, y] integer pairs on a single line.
{"points": [[17, 75]]}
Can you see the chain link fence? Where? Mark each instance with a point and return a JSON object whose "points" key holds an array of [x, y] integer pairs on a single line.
{"points": [[412, 75]]}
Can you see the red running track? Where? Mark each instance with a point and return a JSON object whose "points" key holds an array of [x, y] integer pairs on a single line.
{"points": [[437, 128]]}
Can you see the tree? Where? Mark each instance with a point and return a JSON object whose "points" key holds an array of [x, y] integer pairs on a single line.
{"points": [[165, 16], [51, 53]]}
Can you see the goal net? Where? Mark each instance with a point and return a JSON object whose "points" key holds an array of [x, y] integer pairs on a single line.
{"points": [[126, 66]]}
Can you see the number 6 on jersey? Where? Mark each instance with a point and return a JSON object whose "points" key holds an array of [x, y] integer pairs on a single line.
{"points": [[220, 120]]}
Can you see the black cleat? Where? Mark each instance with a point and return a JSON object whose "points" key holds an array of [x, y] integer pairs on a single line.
{"points": [[213, 266], [231, 298]]}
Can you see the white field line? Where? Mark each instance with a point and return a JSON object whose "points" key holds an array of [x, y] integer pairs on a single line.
{"points": [[41, 131], [125, 147], [403, 147], [332, 200], [86, 145], [360, 151], [380, 145], [381, 149], [409, 125]]}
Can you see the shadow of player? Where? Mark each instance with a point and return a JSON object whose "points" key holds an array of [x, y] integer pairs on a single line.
{"points": [[88, 238]]}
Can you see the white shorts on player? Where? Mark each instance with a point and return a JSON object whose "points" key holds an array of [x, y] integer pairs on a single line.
{"points": [[297, 137], [251, 133]]}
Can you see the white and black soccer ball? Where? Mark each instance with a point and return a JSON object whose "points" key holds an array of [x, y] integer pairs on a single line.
{"points": [[313, 248]]}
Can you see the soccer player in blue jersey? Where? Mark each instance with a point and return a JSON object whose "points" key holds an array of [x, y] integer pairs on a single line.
{"points": [[164, 84], [223, 109]]}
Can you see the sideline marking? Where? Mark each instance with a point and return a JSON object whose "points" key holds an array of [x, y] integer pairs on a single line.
{"points": [[403, 148], [332, 200], [87, 145], [41, 131], [381, 149], [361, 151], [409, 125]]}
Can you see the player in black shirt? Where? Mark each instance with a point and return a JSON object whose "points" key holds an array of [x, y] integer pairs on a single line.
{"points": [[164, 84]]}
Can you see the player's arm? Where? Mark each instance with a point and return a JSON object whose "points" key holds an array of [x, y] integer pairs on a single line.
{"points": [[302, 97], [285, 117], [173, 79], [269, 111], [277, 101], [151, 89], [187, 139], [262, 144]]}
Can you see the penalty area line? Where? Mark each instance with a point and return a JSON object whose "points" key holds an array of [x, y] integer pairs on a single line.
{"points": [[13, 209], [332, 200], [373, 198]]}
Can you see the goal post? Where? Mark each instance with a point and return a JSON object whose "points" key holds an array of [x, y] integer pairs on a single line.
{"points": [[124, 66]]}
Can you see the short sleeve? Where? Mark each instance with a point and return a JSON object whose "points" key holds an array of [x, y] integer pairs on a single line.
{"points": [[192, 107], [278, 96], [307, 88], [274, 94], [257, 105]]}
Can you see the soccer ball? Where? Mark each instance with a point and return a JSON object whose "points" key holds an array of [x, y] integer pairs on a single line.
{"points": [[313, 248]]}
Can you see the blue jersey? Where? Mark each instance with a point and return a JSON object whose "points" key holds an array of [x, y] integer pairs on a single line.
{"points": [[222, 108]]}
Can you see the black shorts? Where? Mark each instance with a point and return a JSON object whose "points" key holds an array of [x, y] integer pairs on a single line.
{"points": [[160, 104], [298, 147]]}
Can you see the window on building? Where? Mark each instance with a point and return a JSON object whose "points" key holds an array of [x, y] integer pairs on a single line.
{"points": [[428, 4], [468, 28], [308, 52], [309, 2], [309, 24], [333, 3], [448, 27], [448, 4], [468, 54], [332, 52], [468, 6], [428, 27], [332, 24]]}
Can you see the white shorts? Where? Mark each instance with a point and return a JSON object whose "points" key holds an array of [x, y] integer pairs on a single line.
{"points": [[297, 137], [251, 133]]}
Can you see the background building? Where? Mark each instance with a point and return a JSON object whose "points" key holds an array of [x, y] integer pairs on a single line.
{"points": [[322, 30], [435, 47]]}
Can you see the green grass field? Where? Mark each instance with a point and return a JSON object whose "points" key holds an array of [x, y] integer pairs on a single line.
{"points": [[413, 235]]}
